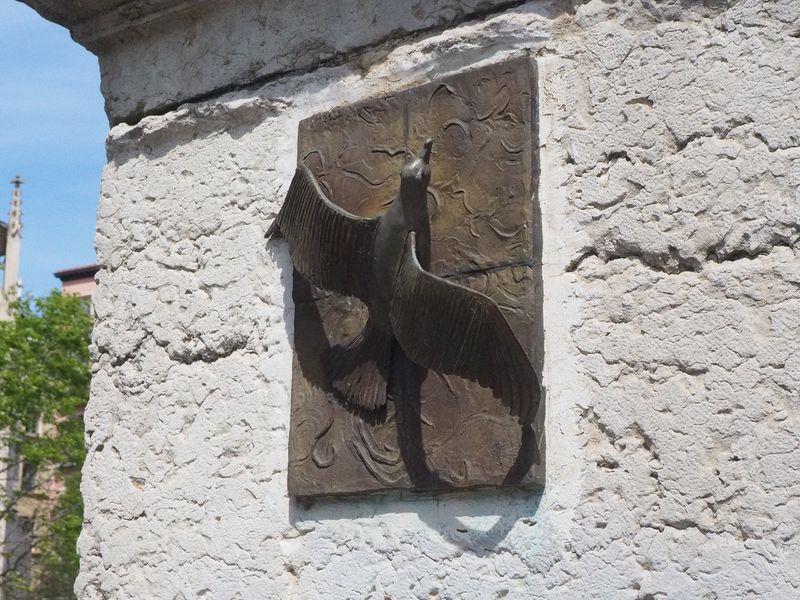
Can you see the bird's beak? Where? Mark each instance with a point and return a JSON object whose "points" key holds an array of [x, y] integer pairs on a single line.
{"points": [[425, 153]]}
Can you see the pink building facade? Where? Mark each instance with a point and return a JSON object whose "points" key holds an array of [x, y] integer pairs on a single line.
{"points": [[78, 280]]}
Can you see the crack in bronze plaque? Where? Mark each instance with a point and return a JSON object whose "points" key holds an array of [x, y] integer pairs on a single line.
{"points": [[447, 433]]}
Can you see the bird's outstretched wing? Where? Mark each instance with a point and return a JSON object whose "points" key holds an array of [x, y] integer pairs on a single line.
{"points": [[329, 246], [455, 330]]}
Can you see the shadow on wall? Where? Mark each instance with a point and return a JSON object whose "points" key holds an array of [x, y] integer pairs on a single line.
{"points": [[452, 514], [279, 255], [153, 141]]}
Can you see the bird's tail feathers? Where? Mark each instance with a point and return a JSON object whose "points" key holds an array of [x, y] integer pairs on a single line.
{"points": [[359, 370]]}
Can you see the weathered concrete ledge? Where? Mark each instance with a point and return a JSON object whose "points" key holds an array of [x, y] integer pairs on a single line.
{"points": [[224, 45]]}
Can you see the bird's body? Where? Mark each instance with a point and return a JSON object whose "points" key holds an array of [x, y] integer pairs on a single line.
{"points": [[384, 262]]}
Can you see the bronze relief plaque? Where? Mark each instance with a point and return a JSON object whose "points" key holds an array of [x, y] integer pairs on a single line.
{"points": [[448, 432]]}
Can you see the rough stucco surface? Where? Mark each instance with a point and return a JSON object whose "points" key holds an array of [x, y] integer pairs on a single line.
{"points": [[669, 192]]}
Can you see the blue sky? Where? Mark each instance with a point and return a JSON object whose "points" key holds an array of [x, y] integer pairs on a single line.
{"points": [[52, 133]]}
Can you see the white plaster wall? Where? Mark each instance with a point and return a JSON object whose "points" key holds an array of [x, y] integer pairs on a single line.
{"points": [[669, 190]]}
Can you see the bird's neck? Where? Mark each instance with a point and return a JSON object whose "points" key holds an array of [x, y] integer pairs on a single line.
{"points": [[414, 204]]}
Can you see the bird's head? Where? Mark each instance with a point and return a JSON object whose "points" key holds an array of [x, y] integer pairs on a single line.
{"points": [[416, 173]]}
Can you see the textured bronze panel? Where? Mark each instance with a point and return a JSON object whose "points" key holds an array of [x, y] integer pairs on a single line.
{"points": [[485, 234]]}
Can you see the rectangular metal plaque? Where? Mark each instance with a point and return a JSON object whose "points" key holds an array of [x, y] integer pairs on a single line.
{"points": [[485, 227]]}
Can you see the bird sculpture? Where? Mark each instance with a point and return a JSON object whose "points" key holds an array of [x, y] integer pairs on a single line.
{"points": [[384, 262]]}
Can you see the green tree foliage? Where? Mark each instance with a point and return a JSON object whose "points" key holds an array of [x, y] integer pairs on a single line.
{"points": [[58, 562], [44, 385]]}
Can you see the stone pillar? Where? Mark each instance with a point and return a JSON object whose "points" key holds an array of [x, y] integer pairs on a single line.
{"points": [[670, 164], [13, 243]]}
